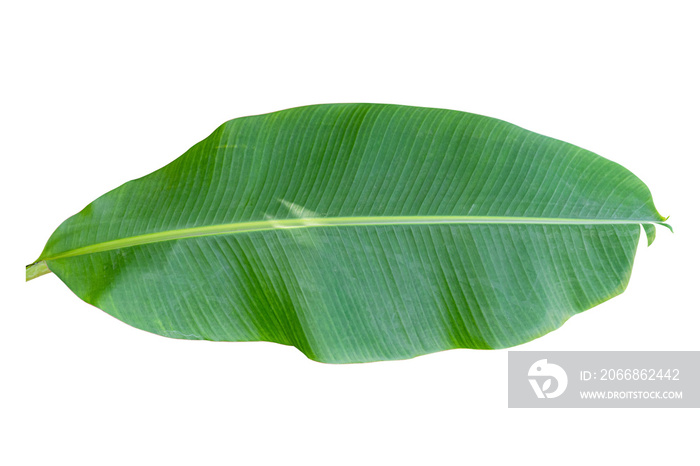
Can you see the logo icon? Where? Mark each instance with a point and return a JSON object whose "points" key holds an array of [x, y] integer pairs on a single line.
{"points": [[544, 371]]}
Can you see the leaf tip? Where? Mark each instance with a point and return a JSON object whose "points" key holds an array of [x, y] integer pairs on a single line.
{"points": [[663, 222]]}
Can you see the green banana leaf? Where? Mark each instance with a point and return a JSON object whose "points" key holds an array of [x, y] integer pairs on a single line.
{"points": [[360, 232]]}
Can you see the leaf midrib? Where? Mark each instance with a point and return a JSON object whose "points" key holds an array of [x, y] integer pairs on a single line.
{"points": [[319, 222]]}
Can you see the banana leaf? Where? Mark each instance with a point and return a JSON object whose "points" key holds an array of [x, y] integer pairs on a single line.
{"points": [[360, 232]]}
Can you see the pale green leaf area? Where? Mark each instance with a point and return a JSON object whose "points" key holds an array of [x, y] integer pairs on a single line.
{"points": [[360, 232]]}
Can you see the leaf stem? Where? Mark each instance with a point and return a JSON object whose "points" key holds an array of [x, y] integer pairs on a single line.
{"points": [[37, 269]]}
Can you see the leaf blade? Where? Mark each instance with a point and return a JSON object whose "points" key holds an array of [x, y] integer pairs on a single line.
{"points": [[342, 289]]}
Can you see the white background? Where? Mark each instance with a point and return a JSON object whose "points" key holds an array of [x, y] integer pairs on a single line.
{"points": [[97, 93]]}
